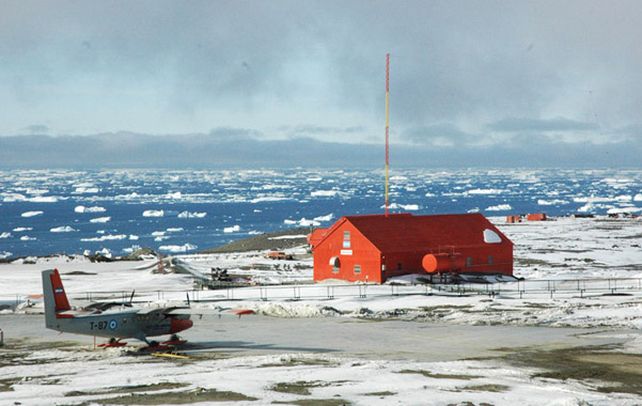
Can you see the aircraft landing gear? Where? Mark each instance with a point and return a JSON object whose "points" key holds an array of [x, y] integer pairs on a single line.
{"points": [[113, 342], [174, 340]]}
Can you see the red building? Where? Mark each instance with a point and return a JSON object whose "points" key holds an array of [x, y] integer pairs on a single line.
{"points": [[536, 217], [373, 248]]}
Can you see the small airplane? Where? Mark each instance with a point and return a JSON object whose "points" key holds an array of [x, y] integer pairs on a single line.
{"points": [[114, 320]]}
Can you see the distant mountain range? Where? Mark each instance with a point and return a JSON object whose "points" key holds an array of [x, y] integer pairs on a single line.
{"points": [[215, 151]]}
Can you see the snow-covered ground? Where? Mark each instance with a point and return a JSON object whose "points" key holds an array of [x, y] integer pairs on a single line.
{"points": [[37, 372], [90, 377], [565, 248]]}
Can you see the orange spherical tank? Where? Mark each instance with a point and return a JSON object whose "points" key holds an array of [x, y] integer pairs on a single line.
{"points": [[442, 262]]}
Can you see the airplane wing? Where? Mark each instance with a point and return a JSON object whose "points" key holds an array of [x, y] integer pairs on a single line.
{"points": [[216, 312]]}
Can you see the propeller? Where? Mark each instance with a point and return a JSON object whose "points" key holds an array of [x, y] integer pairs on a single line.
{"points": [[131, 298]]}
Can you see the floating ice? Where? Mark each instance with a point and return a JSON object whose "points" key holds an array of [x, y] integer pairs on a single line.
{"points": [[5, 235], [553, 202], [175, 195], [324, 193], [407, 207], [21, 229], [327, 217], [233, 229], [269, 199], [5, 254], [485, 191], [174, 229], [499, 207], [43, 199], [133, 237], [83, 209], [85, 190], [153, 213], [62, 229], [100, 220], [189, 215], [27, 238], [31, 213], [13, 197], [178, 248], [638, 197], [106, 237], [158, 233]]}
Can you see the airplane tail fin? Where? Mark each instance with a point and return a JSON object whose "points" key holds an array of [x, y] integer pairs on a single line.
{"points": [[54, 295]]}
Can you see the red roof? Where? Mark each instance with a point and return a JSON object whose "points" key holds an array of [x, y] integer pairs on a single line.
{"points": [[316, 236], [405, 232]]}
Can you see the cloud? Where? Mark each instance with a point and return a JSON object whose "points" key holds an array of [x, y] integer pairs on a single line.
{"points": [[463, 74], [444, 134], [235, 133], [522, 124], [211, 151], [36, 129]]}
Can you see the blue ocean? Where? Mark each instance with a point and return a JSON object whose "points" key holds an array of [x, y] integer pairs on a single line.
{"points": [[45, 212]]}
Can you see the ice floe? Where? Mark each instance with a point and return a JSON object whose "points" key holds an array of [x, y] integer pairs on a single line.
{"points": [[178, 248], [153, 213], [31, 213], [62, 229], [232, 229], [189, 215], [324, 193], [94, 209], [106, 237], [499, 207], [100, 220]]}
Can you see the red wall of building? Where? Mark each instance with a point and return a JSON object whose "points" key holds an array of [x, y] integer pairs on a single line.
{"points": [[480, 258], [401, 263], [362, 253]]}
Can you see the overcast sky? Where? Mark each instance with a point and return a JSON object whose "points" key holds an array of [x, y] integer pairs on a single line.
{"points": [[464, 73]]}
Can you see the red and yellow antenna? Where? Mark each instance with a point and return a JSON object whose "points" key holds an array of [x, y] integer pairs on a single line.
{"points": [[386, 204]]}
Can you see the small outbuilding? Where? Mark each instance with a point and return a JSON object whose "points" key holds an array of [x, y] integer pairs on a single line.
{"points": [[373, 248]]}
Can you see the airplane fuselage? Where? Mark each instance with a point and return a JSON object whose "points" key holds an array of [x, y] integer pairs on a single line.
{"points": [[122, 324]]}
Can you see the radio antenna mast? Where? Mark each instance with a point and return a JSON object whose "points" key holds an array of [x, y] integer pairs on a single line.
{"points": [[386, 203]]}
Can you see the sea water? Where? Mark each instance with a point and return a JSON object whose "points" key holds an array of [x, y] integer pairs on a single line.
{"points": [[45, 212]]}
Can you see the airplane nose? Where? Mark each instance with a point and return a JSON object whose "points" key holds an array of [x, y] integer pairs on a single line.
{"points": [[177, 325]]}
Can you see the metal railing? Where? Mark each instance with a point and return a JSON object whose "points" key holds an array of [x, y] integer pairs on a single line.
{"points": [[550, 288]]}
